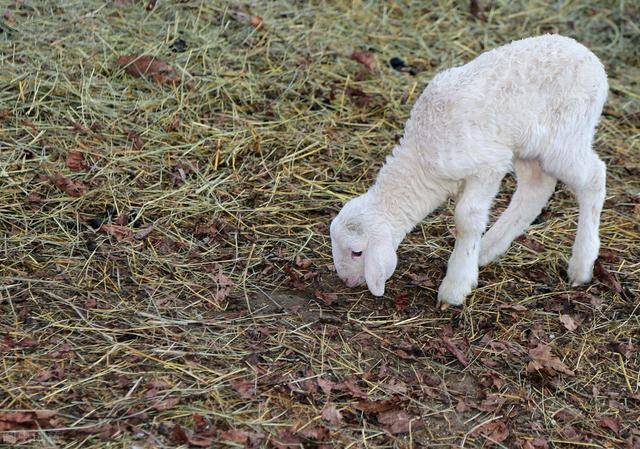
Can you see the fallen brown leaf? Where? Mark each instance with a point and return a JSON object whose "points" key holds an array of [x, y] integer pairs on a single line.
{"points": [[302, 262], [624, 349], [366, 58], [34, 198], [494, 431], [326, 385], [450, 345], [352, 387], [360, 98], [536, 443], [376, 406], [476, 10], [531, 244], [256, 21], [150, 67], [398, 421], [134, 137], [421, 280], [199, 423], [120, 233], [331, 414], [325, 297], [513, 306], [248, 439], [604, 276], [543, 360], [461, 406], [568, 322], [315, 432], [144, 232], [245, 389], [72, 188], [26, 420], [287, 440], [75, 161], [401, 301], [165, 404], [611, 423], [180, 435]]}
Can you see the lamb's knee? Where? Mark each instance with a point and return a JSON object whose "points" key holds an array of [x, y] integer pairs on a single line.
{"points": [[599, 180], [471, 219]]}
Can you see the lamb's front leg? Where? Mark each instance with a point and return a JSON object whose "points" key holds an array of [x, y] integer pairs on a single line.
{"points": [[471, 216]]}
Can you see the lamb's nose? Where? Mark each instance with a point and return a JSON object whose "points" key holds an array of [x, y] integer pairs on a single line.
{"points": [[351, 282]]}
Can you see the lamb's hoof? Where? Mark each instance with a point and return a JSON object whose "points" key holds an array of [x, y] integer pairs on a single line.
{"points": [[579, 271], [452, 293]]}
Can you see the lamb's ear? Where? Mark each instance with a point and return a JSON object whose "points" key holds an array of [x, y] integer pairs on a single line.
{"points": [[379, 264]]}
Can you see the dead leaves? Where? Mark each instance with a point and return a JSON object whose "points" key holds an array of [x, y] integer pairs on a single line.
{"points": [[421, 280], [152, 68], [494, 431], [287, 440], [398, 421], [180, 435], [325, 385], [120, 233], [368, 406], [331, 414], [246, 438], [18, 427], [224, 285], [536, 443], [604, 276], [610, 422], [476, 10], [401, 301], [390, 416], [72, 188], [144, 232], [256, 22], [366, 58], [75, 161], [327, 298], [570, 322], [245, 389], [360, 98], [534, 246], [165, 404], [452, 347], [542, 360], [455, 351]]}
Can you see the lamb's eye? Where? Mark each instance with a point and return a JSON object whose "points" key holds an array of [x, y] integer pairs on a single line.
{"points": [[356, 253]]}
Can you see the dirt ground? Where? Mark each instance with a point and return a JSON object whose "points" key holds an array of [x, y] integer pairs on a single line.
{"points": [[167, 175]]}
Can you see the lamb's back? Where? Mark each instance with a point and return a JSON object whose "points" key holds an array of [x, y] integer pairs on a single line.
{"points": [[499, 96]]}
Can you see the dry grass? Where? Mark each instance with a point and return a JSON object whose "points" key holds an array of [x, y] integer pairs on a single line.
{"points": [[136, 337]]}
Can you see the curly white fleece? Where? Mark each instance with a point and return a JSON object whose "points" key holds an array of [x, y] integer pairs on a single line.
{"points": [[532, 106]]}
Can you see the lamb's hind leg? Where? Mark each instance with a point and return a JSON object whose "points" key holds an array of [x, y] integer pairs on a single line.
{"points": [[471, 215], [534, 189], [588, 183]]}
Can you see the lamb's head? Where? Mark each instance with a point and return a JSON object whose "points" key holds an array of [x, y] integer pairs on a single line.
{"points": [[362, 246]]}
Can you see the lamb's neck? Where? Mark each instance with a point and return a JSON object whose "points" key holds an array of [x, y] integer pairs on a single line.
{"points": [[405, 192]]}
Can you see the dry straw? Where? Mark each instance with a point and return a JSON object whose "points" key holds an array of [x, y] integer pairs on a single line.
{"points": [[165, 266]]}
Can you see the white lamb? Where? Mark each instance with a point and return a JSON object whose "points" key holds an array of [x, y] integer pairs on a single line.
{"points": [[532, 106]]}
